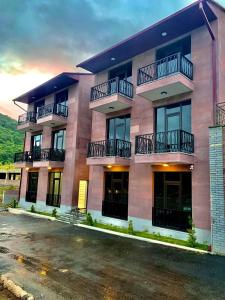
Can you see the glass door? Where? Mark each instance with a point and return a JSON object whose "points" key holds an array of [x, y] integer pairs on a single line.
{"points": [[59, 139], [61, 101], [116, 194], [118, 133], [36, 141], [31, 194]]}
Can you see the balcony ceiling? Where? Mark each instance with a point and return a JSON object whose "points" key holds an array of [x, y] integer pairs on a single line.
{"points": [[175, 25], [53, 85]]}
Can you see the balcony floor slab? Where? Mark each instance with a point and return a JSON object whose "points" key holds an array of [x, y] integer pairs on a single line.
{"points": [[48, 164], [172, 85], [52, 120], [168, 157], [111, 103], [28, 126], [110, 160]]}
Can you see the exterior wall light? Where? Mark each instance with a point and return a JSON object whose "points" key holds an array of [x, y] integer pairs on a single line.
{"points": [[191, 167], [27, 169], [109, 166], [165, 165], [49, 168]]}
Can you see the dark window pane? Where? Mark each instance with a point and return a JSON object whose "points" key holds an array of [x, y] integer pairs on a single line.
{"points": [[186, 117], [159, 189], [172, 176]]}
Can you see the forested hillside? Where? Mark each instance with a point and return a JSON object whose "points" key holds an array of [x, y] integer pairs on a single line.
{"points": [[11, 140]]}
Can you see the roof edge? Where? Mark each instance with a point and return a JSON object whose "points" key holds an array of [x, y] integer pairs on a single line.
{"points": [[140, 32]]}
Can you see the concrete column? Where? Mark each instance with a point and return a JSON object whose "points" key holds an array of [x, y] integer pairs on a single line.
{"points": [[216, 155], [42, 185]]}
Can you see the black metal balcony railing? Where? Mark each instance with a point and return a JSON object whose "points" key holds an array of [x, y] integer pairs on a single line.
{"points": [[169, 141], [112, 147], [172, 64], [115, 209], [170, 218], [40, 155], [53, 108], [110, 87], [53, 200], [29, 116], [31, 196], [49, 155], [220, 114], [26, 156]]}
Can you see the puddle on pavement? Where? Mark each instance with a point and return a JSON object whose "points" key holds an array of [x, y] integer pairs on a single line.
{"points": [[5, 236], [4, 250]]}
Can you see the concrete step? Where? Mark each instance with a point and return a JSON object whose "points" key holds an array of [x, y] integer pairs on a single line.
{"points": [[71, 218]]}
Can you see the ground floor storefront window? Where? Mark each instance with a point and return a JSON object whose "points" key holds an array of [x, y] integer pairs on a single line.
{"points": [[115, 203], [54, 189], [172, 200], [31, 194]]}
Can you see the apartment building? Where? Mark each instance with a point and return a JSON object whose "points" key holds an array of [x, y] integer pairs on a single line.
{"points": [[153, 101], [57, 129]]}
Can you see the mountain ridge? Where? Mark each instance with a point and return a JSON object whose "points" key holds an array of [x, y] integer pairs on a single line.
{"points": [[11, 140]]}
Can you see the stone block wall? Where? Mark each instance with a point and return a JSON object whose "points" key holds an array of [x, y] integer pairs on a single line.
{"points": [[217, 196]]}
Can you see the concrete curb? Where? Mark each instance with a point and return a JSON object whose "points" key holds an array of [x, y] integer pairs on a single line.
{"points": [[143, 239], [19, 211], [15, 289]]}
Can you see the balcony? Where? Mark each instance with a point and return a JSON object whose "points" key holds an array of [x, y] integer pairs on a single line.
{"points": [[109, 152], [27, 122], [167, 77], [220, 114], [23, 159], [171, 218], [52, 115], [173, 147], [49, 157], [112, 95]]}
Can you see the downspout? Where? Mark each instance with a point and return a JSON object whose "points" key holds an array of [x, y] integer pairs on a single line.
{"points": [[213, 59], [14, 101]]}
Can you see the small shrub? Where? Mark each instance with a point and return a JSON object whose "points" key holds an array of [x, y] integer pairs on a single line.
{"points": [[192, 240], [32, 209], [130, 228], [89, 220], [54, 213]]}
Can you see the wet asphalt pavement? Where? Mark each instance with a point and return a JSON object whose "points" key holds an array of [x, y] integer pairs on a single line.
{"points": [[53, 260]]}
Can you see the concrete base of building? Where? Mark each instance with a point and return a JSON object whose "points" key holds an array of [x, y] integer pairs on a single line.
{"points": [[203, 235], [41, 206]]}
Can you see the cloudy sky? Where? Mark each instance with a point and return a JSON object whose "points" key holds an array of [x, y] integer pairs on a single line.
{"points": [[41, 38]]}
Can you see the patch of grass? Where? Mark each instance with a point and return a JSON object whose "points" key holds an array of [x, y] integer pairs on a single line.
{"points": [[41, 213], [148, 235]]}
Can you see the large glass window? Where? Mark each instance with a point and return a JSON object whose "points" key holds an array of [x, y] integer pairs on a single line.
{"points": [[62, 98], [124, 72], [174, 117], [59, 139], [36, 141], [119, 128], [31, 194], [115, 204], [38, 105], [54, 189], [183, 46]]}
